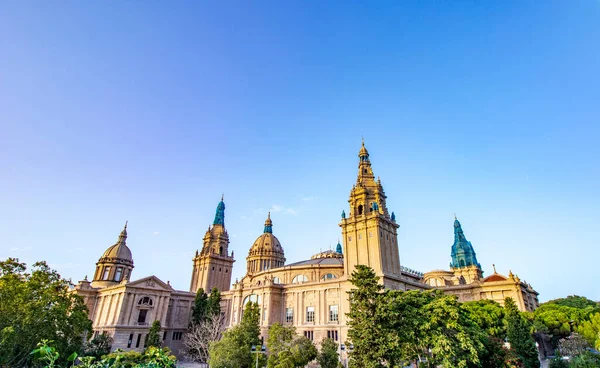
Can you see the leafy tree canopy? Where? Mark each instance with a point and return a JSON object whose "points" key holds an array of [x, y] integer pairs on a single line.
{"points": [[487, 315], [328, 356], [153, 337], [389, 327], [38, 305], [234, 349], [519, 335]]}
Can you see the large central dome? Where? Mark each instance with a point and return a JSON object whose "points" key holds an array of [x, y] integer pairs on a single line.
{"points": [[266, 252]]}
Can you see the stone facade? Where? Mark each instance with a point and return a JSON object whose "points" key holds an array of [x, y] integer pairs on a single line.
{"points": [[311, 295]]}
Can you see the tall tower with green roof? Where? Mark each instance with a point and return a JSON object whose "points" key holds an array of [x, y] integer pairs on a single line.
{"points": [[464, 260], [213, 264]]}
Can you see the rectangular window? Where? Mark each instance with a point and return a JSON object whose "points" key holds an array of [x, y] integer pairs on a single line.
{"points": [[332, 334], [309, 335], [165, 335], [130, 341], [289, 315], [333, 313], [310, 314], [137, 343], [177, 335], [142, 316], [106, 273], [118, 274]]}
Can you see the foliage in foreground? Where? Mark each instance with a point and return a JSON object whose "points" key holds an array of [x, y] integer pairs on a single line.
{"points": [[328, 356], [152, 357], [519, 335], [37, 305], [206, 326], [234, 349], [389, 327], [287, 349]]}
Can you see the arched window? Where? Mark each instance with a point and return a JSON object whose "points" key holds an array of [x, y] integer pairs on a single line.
{"points": [[276, 280], [360, 209], [329, 276], [299, 278], [251, 298], [146, 301]]}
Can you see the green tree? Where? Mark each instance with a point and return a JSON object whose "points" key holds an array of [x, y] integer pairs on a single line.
{"points": [[519, 335], [287, 349], [328, 356], [390, 327], [99, 346], [153, 337], [303, 351], [213, 304], [590, 330], [234, 349], [200, 308], [488, 315], [560, 317], [36, 306], [362, 318]]}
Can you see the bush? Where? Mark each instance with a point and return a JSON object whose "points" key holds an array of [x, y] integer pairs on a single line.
{"points": [[558, 362], [98, 347]]}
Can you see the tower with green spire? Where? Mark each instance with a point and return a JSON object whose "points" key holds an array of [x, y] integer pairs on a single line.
{"points": [[213, 263], [464, 260]]}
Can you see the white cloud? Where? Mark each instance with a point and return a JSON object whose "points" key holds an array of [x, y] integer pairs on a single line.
{"points": [[291, 211], [156, 233], [276, 208]]}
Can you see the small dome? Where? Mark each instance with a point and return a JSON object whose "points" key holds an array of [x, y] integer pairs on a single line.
{"points": [[363, 151], [119, 251], [494, 277], [327, 254], [266, 242]]}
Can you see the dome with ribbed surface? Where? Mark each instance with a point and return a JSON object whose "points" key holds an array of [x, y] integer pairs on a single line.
{"points": [[119, 250], [266, 252], [115, 265]]}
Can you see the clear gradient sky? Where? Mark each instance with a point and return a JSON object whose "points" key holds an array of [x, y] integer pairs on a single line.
{"points": [[148, 111]]}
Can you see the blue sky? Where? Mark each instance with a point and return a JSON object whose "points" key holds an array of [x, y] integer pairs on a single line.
{"points": [[115, 111]]}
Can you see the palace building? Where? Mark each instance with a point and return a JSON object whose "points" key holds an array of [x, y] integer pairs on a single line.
{"points": [[310, 295]]}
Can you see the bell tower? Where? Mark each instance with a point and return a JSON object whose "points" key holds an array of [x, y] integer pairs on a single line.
{"points": [[213, 264], [369, 233]]}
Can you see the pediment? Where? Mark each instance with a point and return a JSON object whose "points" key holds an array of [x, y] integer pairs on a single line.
{"points": [[151, 282]]}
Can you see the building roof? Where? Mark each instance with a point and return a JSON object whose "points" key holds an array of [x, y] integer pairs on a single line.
{"points": [[328, 254], [320, 261]]}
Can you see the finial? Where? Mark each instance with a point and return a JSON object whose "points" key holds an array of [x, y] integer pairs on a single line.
{"points": [[85, 278], [455, 216], [269, 215], [126, 224], [363, 140], [493, 265], [222, 196]]}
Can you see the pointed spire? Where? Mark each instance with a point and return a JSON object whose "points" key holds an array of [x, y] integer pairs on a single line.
{"points": [[220, 213], [268, 224], [123, 235]]}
